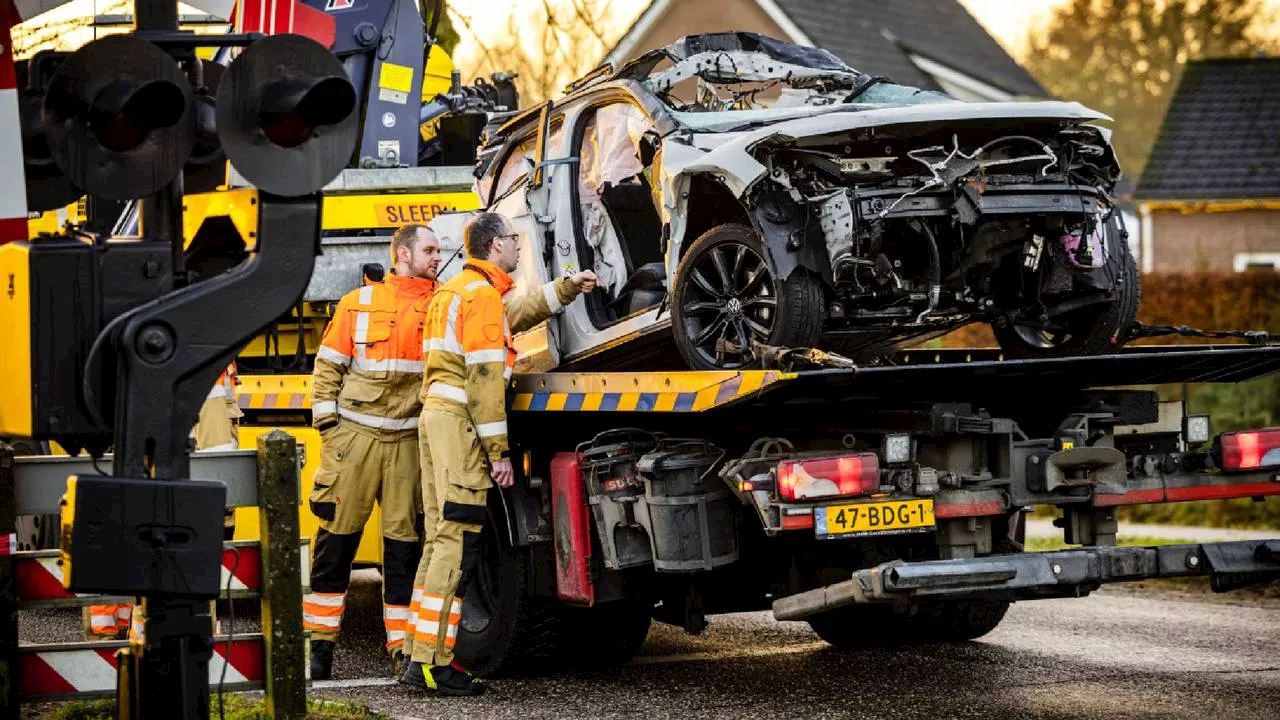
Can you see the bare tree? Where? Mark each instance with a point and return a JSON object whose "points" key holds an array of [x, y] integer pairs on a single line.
{"points": [[31, 37], [1125, 57], [548, 42]]}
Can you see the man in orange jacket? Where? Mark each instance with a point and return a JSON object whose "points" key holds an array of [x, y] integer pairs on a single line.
{"points": [[365, 405], [469, 358]]}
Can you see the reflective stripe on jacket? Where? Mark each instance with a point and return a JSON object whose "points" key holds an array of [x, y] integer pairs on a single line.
{"points": [[369, 365], [467, 342], [225, 387]]}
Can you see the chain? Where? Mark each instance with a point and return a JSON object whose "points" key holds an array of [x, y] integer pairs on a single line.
{"points": [[1255, 337]]}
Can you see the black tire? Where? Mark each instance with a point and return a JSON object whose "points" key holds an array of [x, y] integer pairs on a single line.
{"points": [[743, 299], [1091, 330], [963, 620], [860, 627], [504, 629], [607, 636], [884, 626]]}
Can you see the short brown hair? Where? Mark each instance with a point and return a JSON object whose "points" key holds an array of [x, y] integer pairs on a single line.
{"points": [[404, 237], [480, 232]]}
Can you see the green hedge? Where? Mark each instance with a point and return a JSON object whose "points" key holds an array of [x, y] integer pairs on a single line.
{"points": [[1204, 301]]}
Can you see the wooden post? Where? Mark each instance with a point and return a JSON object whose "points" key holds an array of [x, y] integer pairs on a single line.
{"points": [[286, 680], [8, 594]]}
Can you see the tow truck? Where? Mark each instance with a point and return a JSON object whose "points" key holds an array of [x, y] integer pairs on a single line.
{"points": [[412, 163], [881, 503]]}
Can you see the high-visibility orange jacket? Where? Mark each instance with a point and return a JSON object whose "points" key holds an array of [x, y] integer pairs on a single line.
{"points": [[467, 341], [225, 387], [369, 365]]}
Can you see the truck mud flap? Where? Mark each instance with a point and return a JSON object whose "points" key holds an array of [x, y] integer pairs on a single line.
{"points": [[1030, 576]]}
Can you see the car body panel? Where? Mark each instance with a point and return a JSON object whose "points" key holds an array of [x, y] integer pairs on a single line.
{"points": [[566, 226]]}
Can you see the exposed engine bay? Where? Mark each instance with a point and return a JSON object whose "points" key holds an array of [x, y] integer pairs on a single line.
{"points": [[917, 226]]}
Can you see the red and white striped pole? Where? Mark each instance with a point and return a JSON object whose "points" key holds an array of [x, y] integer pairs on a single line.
{"points": [[13, 184]]}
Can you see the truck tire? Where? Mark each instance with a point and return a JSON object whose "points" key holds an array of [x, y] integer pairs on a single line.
{"points": [[870, 626], [710, 300], [1091, 330], [885, 626], [963, 620], [504, 629], [606, 636]]}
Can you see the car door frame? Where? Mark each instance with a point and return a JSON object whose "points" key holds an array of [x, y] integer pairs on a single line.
{"points": [[576, 321], [530, 205]]}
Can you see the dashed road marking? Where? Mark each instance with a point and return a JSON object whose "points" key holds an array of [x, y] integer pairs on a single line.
{"points": [[352, 683]]}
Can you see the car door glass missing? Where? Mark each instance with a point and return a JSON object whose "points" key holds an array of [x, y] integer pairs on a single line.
{"points": [[516, 165], [620, 221]]}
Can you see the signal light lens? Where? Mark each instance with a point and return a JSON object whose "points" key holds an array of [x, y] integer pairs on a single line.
{"points": [[125, 112], [857, 474], [293, 108], [1251, 449]]}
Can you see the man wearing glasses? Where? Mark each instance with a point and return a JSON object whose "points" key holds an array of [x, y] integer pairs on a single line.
{"points": [[463, 431]]}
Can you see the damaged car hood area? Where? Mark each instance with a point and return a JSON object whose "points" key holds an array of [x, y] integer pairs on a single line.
{"points": [[818, 97], [738, 156]]}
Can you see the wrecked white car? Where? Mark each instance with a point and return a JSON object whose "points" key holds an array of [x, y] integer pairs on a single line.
{"points": [[733, 191]]}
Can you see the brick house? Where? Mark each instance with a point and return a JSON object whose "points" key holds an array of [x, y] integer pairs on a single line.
{"points": [[1209, 195], [932, 44]]}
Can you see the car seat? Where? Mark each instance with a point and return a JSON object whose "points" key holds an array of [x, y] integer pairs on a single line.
{"points": [[639, 231]]}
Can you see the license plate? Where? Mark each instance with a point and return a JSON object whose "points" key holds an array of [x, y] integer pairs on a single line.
{"points": [[881, 518]]}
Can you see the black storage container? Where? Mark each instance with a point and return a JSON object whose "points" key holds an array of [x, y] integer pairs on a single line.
{"points": [[691, 516], [616, 493]]}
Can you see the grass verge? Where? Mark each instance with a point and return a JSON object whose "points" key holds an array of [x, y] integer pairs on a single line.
{"points": [[236, 708], [1236, 513]]}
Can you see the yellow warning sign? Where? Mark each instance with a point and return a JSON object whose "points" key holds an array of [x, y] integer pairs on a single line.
{"points": [[396, 77], [355, 212]]}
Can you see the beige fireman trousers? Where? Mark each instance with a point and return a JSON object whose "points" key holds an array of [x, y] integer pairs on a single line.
{"points": [[358, 467], [455, 485]]}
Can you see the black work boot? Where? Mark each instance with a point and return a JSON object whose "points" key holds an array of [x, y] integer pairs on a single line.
{"points": [[411, 675], [321, 659], [444, 679]]}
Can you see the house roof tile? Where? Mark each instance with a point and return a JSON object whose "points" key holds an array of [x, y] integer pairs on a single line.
{"points": [[1220, 137], [874, 36]]}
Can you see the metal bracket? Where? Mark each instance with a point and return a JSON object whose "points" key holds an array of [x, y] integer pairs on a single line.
{"points": [[1041, 575]]}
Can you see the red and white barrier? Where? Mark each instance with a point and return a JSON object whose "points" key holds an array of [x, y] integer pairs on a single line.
{"points": [[38, 576], [52, 672]]}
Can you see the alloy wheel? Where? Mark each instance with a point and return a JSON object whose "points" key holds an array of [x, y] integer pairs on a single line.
{"points": [[730, 301]]}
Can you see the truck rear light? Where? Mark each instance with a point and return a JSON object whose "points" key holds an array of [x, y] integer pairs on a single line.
{"points": [[856, 474], [1251, 449]]}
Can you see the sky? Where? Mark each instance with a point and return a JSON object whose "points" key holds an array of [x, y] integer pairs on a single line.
{"points": [[1007, 20]]}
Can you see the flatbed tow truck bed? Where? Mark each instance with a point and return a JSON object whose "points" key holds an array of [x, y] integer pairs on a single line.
{"points": [[991, 438], [880, 504]]}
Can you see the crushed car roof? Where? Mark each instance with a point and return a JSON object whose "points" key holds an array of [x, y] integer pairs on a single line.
{"points": [[788, 55]]}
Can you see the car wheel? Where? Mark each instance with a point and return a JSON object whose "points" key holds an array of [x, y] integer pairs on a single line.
{"points": [[1090, 330], [727, 297]]}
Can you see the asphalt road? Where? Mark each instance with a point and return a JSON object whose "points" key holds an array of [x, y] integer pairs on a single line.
{"points": [[1120, 653]]}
